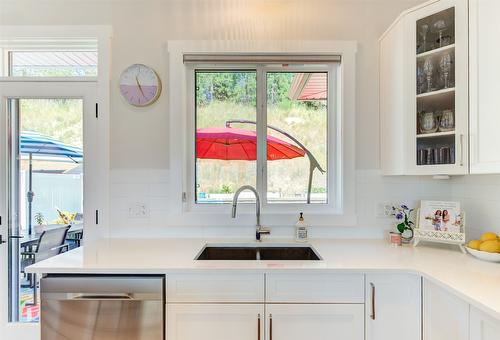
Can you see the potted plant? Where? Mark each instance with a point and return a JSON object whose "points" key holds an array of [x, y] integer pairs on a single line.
{"points": [[40, 221], [65, 217], [404, 224]]}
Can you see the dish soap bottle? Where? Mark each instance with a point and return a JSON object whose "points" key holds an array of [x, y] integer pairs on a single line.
{"points": [[301, 230]]}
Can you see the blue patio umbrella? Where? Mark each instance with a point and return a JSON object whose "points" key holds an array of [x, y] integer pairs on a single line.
{"points": [[33, 143]]}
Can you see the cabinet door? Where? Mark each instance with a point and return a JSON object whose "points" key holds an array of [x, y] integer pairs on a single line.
{"points": [[394, 96], [393, 307], [438, 109], [314, 321], [445, 315], [215, 322], [482, 326], [484, 86]]}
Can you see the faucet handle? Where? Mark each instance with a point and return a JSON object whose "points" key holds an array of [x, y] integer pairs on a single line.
{"points": [[261, 230]]}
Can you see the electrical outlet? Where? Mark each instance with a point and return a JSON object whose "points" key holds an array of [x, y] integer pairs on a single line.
{"points": [[138, 210]]}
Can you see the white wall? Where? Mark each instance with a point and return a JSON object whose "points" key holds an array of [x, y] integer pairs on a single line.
{"points": [[480, 198], [139, 137]]}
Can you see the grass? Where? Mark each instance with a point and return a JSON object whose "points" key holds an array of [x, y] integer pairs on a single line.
{"points": [[287, 177]]}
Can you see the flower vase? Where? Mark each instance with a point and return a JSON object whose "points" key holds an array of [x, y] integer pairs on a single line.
{"points": [[407, 235]]}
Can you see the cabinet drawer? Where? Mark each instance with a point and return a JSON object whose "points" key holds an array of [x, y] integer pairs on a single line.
{"points": [[237, 287], [315, 288]]}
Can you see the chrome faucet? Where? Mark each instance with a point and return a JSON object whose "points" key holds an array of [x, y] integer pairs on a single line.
{"points": [[259, 230]]}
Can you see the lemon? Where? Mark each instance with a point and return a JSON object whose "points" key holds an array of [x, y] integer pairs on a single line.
{"points": [[490, 246], [474, 244], [488, 236]]}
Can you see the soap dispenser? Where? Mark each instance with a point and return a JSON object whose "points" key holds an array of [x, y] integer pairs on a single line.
{"points": [[301, 229]]}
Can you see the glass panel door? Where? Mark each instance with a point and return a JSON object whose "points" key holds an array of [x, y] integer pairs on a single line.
{"points": [[435, 89], [45, 188], [48, 129]]}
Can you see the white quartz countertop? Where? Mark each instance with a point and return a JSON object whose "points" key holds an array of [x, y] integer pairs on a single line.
{"points": [[475, 281]]}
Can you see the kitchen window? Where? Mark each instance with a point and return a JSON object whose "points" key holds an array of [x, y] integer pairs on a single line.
{"points": [[237, 106], [49, 58], [52, 63]]}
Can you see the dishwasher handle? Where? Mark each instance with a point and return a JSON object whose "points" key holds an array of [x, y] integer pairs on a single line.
{"points": [[102, 297]]}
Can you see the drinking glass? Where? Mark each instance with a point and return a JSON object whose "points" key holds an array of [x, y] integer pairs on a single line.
{"points": [[428, 70], [445, 65], [423, 33], [447, 121], [439, 27]]}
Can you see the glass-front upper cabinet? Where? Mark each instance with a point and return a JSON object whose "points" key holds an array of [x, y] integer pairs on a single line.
{"points": [[440, 106]]}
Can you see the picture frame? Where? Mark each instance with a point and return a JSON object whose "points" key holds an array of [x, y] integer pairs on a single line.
{"points": [[432, 227]]}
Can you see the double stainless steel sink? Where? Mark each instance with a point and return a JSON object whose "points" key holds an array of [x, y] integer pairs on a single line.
{"points": [[257, 251]]}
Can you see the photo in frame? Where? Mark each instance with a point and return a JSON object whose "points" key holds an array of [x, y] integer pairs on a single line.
{"points": [[440, 222], [440, 216]]}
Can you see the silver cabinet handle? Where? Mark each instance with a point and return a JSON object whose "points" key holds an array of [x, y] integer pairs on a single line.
{"points": [[461, 150], [372, 316], [258, 326], [270, 327]]}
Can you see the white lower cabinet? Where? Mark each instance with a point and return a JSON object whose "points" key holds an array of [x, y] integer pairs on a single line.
{"points": [[314, 321], [482, 326], [393, 307], [215, 321], [446, 316]]}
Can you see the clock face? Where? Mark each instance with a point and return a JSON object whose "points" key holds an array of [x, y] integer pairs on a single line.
{"points": [[140, 85]]}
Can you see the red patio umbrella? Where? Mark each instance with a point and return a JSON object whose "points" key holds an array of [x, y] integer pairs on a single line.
{"points": [[239, 144]]}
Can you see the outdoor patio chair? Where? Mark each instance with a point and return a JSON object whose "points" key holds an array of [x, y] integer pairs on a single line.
{"points": [[75, 239], [51, 243]]}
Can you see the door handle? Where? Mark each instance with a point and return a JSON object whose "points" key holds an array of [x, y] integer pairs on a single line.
{"points": [[258, 326], [270, 327], [372, 316]]}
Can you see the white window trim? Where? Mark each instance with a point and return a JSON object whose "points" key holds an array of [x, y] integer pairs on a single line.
{"points": [[181, 146], [51, 36]]}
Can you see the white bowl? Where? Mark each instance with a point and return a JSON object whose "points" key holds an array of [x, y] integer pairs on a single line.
{"points": [[483, 255]]}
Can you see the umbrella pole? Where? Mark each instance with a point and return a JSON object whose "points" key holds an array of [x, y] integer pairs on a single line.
{"points": [[30, 192], [309, 185]]}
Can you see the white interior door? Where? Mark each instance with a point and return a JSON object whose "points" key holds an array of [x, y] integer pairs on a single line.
{"points": [[315, 321], [10, 91]]}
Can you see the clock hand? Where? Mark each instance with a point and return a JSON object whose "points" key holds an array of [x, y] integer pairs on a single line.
{"points": [[140, 87]]}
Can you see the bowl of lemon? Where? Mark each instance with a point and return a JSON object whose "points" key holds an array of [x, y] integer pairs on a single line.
{"points": [[487, 248]]}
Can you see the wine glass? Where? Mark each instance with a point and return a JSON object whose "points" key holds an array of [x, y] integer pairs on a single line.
{"points": [[440, 26], [428, 69], [423, 32], [445, 65], [420, 80]]}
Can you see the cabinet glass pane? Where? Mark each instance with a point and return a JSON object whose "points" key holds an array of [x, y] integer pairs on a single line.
{"points": [[435, 89], [436, 31]]}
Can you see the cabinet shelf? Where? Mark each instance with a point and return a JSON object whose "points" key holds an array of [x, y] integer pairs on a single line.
{"points": [[436, 93], [436, 51], [435, 134]]}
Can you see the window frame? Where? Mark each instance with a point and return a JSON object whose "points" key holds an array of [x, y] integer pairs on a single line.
{"points": [[74, 44], [218, 220], [333, 160]]}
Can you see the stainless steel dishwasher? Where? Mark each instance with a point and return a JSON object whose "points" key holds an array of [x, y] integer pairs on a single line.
{"points": [[103, 308]]}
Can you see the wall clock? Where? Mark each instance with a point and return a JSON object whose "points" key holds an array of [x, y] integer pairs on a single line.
{"points": [[140, 85]]}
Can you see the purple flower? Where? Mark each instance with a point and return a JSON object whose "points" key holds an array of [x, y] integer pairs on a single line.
{"points": [[404, 207], [399, 216]]}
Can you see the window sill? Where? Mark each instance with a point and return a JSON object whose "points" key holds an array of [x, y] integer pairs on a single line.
{"points": [[247, 217]]}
